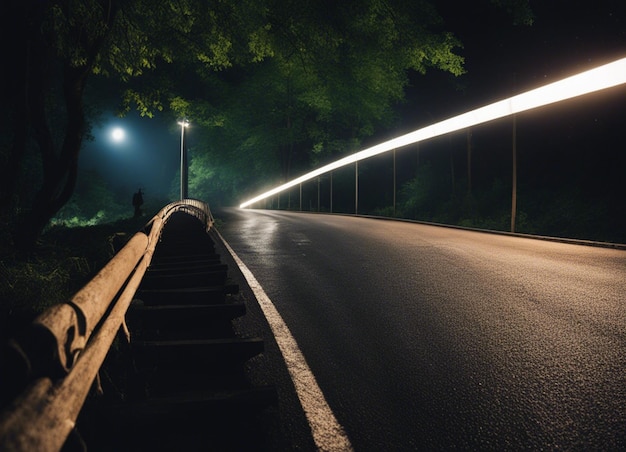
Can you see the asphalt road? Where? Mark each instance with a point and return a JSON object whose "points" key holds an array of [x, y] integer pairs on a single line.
{"points": [[432, 338]]}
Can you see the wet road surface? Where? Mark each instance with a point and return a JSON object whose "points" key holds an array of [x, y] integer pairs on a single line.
{"points": [[431, 338]]}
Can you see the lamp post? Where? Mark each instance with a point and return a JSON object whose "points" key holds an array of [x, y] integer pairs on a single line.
{"points": [[183, 160]]}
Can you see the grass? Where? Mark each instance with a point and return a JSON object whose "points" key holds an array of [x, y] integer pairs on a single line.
{"points": [[65, 259]]}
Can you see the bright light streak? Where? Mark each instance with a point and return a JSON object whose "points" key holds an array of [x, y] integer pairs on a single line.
{"points": [[602, 77], [118, 134]]}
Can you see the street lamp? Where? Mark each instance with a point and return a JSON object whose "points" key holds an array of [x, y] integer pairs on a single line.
{"points": [[183, 159]]}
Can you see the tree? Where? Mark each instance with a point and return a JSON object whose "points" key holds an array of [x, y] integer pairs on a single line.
{"points": [[335, 69], [59, 45], [91, 203], [57, 55]]}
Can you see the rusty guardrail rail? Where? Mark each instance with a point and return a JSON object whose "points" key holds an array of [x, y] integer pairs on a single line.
{"points": [[59, 357]]}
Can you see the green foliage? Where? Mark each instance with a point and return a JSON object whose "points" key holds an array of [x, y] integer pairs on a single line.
{"points": [[95, 203], [92, 203], [27, 288], [273, 81], [65, 260], [419, 196], [277, 85], [358, 61], [385, 212], [565, 211]]}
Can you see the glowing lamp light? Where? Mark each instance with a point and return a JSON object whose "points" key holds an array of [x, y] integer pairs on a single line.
{"points": [[602, 77], [118, 134]]}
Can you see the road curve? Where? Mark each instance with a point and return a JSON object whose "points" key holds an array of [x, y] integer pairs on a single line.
{"points": [[432, 338]]}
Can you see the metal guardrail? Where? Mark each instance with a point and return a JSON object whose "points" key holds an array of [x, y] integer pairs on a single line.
{"points": [[59, 357]]}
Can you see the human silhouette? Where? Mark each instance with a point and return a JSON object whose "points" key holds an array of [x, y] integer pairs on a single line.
{"points": [[137, 202]]}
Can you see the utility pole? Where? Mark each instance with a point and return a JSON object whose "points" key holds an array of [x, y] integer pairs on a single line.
{"points": [[469, 161], [331, 192], [514, 182], [394, 182], [318, 193], [183, 161], [356, 187]]}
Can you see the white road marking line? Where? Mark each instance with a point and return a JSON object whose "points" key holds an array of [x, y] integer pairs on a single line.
{"points": [[327, 433]]}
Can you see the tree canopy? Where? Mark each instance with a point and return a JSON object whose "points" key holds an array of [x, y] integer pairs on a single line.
{"points": [[273, 85], [324, 76]]}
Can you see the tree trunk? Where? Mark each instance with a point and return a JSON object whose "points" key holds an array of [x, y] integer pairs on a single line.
{"points": [[23, 46], [59, 173], [59, 170], [9, 174]]}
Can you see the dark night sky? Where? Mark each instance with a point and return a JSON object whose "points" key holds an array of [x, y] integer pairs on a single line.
{"points": [[581, 135], [567, 37]]}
